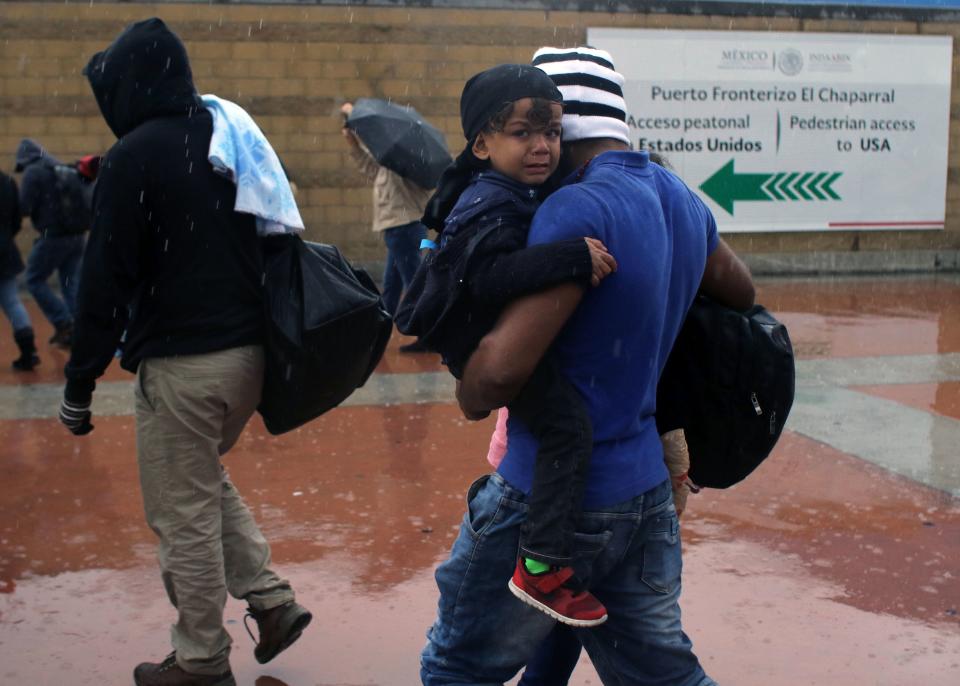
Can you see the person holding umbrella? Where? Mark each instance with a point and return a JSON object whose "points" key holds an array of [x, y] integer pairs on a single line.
{"points": [[402, 156]]}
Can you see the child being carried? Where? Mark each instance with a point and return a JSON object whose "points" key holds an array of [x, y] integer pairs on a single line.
{"points": [[511, 116]]}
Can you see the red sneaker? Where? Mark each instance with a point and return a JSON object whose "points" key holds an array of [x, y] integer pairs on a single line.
{"points": [[547, 593]]}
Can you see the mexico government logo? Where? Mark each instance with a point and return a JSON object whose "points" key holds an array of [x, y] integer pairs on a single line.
{"points": [[790, 61]]}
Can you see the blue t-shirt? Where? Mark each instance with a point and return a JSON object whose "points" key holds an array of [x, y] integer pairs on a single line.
{"points": [[615, 345]]}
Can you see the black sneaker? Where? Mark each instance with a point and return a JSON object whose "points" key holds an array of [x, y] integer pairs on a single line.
{"points": [[28, 350], [279, 627], [169, 673], [26, 362]]}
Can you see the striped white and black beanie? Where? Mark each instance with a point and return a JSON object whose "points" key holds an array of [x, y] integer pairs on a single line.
{"points": [[593, 104]]}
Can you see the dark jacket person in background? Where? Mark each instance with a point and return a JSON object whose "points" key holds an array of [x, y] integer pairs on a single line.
{"points": [[174, 265], [60, 245], [11, 264]]}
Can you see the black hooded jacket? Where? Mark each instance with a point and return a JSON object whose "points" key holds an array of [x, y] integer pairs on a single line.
{"points": [[11, 263], [168, 259]]}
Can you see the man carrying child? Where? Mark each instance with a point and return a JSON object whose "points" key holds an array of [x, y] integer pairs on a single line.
{"points": [[612, 350]]}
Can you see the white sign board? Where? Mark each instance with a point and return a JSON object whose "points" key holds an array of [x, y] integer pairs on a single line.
{"points": [[794, 131]]}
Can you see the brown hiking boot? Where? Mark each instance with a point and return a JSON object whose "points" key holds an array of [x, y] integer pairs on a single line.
{"points": [[169, 673], [279, 627]]}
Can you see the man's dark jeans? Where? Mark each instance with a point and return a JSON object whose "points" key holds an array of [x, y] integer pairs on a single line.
{"points": [[555, 659], [629, 556], [555, 413], [62, 254]]}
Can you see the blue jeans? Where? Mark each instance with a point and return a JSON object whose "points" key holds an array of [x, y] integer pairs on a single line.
{"points": [[629, 557], [62, 254], [403, 258], [12, 305]]}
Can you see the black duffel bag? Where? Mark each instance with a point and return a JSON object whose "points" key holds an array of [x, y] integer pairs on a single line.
{"points": [[729, 383], [326, 331]]}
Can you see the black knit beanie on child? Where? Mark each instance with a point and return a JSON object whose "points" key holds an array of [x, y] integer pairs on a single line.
{"points": [[484, 95], [488, 92]]}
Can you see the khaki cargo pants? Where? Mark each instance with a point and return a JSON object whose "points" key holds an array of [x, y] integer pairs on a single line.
{"points": [[190, 411]]}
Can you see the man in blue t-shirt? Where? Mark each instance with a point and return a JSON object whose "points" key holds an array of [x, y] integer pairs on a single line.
{"points": [[611, 343]]}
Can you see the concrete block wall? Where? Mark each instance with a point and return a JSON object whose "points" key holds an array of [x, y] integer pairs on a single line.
{"points": [[292, 66]]}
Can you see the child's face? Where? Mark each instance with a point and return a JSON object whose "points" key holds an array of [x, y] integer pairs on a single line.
{"points": [[525, 152]]}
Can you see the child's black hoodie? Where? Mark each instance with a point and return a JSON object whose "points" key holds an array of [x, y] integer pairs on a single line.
{"points": [[481, 265]]}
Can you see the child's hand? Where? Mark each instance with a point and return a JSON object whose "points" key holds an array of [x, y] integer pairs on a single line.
{"points": [[603, 263]]}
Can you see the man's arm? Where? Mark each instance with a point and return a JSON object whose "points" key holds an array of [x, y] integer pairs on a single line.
{"points": [[507, 356], [110, 273], [366, 165], [727, 279]]}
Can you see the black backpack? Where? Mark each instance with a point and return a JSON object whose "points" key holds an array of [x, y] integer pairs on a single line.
{"points": [[729, 383], [73, 191], [326, 331]]}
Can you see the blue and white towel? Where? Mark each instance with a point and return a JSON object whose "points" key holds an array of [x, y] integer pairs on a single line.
{"points": [[240, 151]]}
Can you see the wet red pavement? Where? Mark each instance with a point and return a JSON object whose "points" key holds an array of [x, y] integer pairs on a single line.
{"points": [[860, 317], [942, 398], [820, 569]]}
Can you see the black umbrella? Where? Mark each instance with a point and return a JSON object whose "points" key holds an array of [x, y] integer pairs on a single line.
{"points": [[400, 139]]}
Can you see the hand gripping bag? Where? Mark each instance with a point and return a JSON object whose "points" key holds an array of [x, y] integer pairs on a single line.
{"points": [[326, 331], [729, 383]]}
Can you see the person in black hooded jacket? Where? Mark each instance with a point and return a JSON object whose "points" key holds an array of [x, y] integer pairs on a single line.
{"points": [[59, 247], [170, 263]]}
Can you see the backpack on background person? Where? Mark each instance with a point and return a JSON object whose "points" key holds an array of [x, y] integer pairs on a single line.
{"points": [[75, 193]]}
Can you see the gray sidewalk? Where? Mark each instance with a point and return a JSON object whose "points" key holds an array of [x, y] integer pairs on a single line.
{"points": [[915, 444]]}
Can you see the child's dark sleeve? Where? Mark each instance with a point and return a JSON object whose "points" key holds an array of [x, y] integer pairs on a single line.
{"points": [[514, 270]]}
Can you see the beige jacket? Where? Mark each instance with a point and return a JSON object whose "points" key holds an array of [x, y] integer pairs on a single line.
{"points": [[396, 200]]}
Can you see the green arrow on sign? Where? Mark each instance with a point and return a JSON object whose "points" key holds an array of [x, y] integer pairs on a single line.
{"points": [[726, 186]]}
